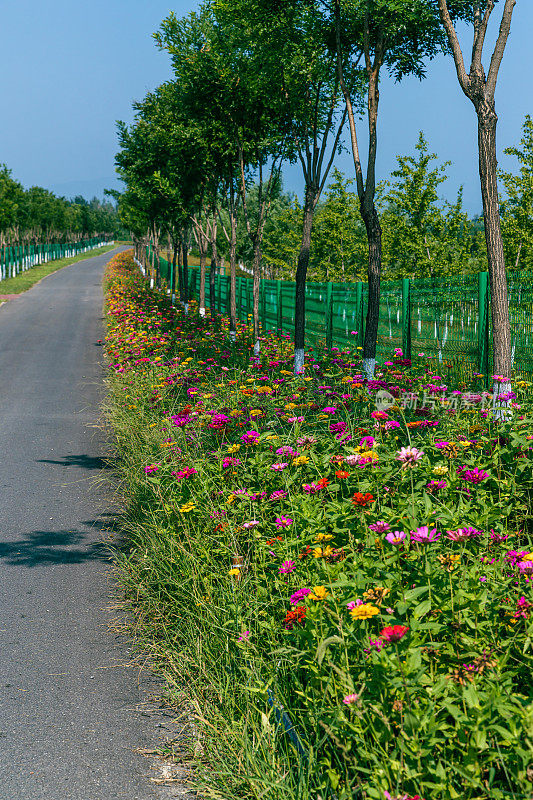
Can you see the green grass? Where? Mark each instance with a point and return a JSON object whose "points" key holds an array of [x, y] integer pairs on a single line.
{"points": [[25, 280]]}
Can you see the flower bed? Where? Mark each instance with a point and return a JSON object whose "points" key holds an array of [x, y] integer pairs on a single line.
{"points": [[342, 590]]}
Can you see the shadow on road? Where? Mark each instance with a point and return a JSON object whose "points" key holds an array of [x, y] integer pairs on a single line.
{"points": [[39, 548], [84, 462]]}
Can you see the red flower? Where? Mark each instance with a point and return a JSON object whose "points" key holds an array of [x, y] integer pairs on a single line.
{"points": [[295, 616], [341, 474], [361, 500], [322, 483], [393, 633]]}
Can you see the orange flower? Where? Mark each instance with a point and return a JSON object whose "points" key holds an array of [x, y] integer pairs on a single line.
{"points": [[341, 474]]}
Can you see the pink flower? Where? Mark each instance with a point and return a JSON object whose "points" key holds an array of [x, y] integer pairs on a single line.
{"points": [[295, 598], [279, 467], [379, 527], [475, 475], [329, 410], [250, 437], [461, 534], [395, 537], [151, 468], [349, 699], [279, 494], [244, 636], [352, 459], [287, 567], [283, 522], [409, 456], [230, 462], [424, 535], [391, 424], [252, 524]]}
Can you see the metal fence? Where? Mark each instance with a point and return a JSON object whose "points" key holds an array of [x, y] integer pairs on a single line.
{"points": [[17, 259], [445, 318]]}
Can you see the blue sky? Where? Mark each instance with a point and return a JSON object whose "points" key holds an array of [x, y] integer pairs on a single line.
{"points": [[71, 69]]}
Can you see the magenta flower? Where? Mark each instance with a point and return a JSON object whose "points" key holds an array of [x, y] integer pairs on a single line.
{"points": [[379, 527], [424, 535], [286, 450], [461, 534], [250, 437], [279, 494], [329, 410], [475, 475], [151, 468], [395, 537], [287, 567], [230, 462], [244, 636], [295, 598], [283, 522], [409, 456]]}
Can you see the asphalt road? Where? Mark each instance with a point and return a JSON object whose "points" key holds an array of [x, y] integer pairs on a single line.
{"points": [[72, 710]]}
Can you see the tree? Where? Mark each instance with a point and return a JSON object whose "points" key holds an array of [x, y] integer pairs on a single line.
{"points": [[398, 36], [479, 86], [517, 209]]}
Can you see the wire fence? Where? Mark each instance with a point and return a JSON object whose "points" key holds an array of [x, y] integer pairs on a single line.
{"points": [[445, 318], [17, 259]]}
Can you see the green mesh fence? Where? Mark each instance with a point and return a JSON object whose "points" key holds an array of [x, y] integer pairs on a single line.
{"points": [[14, 260], [444, 318]]}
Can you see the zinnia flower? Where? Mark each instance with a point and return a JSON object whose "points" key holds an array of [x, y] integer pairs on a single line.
{"points": [[295, 598], [395, 537], [379, 527], [409, 456], [283, 522], [393, 633], [361, 500], [349, 699], [364, 611], [287, 567], [424, 535]]}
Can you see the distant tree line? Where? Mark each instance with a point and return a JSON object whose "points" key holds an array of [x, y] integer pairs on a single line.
{"points": [[36, 215]]}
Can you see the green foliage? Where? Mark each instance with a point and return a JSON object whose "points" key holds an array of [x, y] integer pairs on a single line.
{"points": [[422, 238], [517, 208], [221, 541]]}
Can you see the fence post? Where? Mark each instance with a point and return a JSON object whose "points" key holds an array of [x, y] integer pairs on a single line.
{"points": [[279, 308], [406, 317], [228, 295], [483, 325], [329, 315], [262, 300]]}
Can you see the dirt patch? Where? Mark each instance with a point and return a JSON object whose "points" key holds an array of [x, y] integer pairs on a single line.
{"points": [[4, 297]]}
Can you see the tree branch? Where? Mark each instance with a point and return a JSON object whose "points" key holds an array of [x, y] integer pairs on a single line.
{"points": [[464, 80], [499, 47], [480, 30]]}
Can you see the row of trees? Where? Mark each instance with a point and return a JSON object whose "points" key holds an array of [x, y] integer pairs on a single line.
{"points": [[36, 215], [261, 82]]}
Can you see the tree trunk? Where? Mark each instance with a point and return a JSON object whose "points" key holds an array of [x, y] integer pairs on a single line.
{"points": [[212, 272], [256, 293], [373, 232], [488, 165], [180, 271], [185, 258], [301, 275], [174, 262], [233, 266]]}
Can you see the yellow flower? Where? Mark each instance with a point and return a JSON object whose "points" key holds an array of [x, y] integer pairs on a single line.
{"points": [[285, 372], [364, 611], [234, 448], [440, 469], [323, 537], [230, 499], [235, 571], [298, 462], [187, 507], [236, 412], [370, 454], [264, 390], [255, 412], [271, 438], [318, 593], [290, 406]]}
